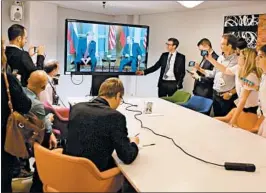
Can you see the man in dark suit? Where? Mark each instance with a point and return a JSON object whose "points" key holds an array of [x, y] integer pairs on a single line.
{"points": [[172, 64], [17, 58], [203, 85], [96, 129], [131, 54], [90, 53]]}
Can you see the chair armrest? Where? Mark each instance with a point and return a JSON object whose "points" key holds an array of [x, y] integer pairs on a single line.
{"points": [[110, 173]]}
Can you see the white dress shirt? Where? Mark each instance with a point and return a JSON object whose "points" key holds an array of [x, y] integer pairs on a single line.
{"points": [[47, 94], [170, 74], [223, 82], [15, 46]]}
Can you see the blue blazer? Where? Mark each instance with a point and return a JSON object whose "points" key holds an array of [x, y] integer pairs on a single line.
{"points": [[135, 50]]}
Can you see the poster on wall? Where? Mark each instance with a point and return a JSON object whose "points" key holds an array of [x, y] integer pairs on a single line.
{"points": [[250, 27]]}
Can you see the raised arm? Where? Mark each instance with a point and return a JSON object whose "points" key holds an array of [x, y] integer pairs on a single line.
{"points": [[219, 66]]}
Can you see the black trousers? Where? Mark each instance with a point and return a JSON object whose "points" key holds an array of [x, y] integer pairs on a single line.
{"points": [[167, 88], [8, 163], [37, 185], [222, 107]]}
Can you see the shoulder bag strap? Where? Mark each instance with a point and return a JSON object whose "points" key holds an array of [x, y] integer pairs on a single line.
{"points": [[8, 93]]}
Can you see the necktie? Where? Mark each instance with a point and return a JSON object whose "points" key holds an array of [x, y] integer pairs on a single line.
{"points": [[167, 66]]}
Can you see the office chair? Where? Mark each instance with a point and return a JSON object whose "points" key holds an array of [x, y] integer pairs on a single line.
{"points": [[179, 97], [199, 104], [63, 173]]}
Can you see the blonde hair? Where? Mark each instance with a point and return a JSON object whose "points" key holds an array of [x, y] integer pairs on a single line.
{"points": [[249, 64], [110, 87]]}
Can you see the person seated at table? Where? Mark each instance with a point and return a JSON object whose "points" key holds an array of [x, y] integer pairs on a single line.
{"points": [[96, 129], [131, 55], [261, 64], [244, 115]]}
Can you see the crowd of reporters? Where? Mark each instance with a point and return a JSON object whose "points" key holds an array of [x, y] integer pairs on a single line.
{"points": [[235, 81]]}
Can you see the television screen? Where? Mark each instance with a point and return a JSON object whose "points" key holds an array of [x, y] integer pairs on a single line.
{"points": [[96, 47]]}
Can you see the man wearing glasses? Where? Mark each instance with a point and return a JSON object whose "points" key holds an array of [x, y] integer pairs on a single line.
{"points": [[172, 64]]}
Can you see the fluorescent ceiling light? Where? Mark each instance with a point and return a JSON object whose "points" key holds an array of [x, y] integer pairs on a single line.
{"points": [[190, 4]]}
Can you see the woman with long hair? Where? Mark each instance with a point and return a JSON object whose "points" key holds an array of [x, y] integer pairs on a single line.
{"points": [[245, 114], [22, 104], [261, 64]]}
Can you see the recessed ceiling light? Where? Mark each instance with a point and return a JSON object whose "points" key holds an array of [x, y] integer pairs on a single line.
{"points": [[190, 4]]}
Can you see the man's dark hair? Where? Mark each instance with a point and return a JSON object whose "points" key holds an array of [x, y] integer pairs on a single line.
{"points": [[205, 41], [241, 44], [50, 66], [175, 41], [15, 31], [231, 40], [263, 49]]}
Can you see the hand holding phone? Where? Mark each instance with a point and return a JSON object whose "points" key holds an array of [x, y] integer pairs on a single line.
{"points": [[204, 53], [191, 64]]}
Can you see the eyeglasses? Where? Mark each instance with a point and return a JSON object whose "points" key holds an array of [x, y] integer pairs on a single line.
{"points": [[169, 44]]}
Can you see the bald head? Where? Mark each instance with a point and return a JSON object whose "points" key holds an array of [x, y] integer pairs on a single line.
{"points": [[37, 81]]}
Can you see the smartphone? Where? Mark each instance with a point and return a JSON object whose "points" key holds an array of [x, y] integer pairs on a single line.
{"points": [[191, 63], [35, 49], [204, 53], [247, 81]]}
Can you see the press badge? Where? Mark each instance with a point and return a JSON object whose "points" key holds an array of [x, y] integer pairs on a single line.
{"points": [[222, 82]]}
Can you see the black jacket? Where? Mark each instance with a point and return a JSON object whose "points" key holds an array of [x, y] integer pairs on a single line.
{"points": [[21, 60], [21, 103], [95, 131], [204, 87], [179, 68]]}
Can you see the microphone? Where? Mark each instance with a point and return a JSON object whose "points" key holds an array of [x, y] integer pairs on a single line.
{"points": [[240, 166]]}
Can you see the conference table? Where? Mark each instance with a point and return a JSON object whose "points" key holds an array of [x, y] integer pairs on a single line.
{"points": [[165, 168]]}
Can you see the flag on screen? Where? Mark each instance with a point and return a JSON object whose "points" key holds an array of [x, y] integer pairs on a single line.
{"points": [[70, 38], [112, 37], [123, 35]]}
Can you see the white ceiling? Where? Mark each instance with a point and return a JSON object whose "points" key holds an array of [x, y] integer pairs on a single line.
{"points": [[142, 7]]}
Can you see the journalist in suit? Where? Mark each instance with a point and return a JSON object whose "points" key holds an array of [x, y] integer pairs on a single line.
{"points": [[131, 55], [17, 58], [172, 64], [96, 129], [203, 85]]}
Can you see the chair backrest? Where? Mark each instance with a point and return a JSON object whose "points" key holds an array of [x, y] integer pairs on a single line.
{"points": [[181, 96], [61, 112], [62, 173], [199, 104]]}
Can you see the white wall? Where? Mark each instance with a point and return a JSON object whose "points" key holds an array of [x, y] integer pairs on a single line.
{"points": [[189, 27]]}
